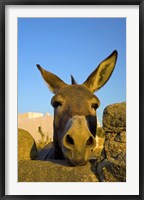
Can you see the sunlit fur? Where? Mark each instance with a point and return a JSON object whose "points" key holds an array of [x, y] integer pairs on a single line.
{"points": [[75, 120]]}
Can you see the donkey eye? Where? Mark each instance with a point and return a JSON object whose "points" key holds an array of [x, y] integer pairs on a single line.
{"points": [[56, 104], [95, 106]]}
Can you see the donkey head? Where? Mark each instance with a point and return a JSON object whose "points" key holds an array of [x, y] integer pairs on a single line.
{"points": [[75, 121]]}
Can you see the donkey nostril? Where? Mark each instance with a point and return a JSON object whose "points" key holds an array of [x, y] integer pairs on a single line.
{"points": [[90, 141], [69, 140]]}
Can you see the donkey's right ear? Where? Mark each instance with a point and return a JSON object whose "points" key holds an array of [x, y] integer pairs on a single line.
{"points": [[54, 82]]}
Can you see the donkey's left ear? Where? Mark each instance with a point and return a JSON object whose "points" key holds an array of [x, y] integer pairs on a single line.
{"points": [[102, 73]]}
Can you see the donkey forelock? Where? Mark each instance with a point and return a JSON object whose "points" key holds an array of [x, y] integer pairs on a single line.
{"points": [[75, 107]]}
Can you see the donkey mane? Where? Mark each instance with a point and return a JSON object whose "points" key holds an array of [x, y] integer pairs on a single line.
{"points": [[73, 80]]}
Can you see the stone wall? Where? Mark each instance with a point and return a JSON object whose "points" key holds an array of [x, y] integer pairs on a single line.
{"points": [[112, 166]]}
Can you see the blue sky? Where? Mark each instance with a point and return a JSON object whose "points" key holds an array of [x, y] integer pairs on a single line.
{"points": [[67, 46]]}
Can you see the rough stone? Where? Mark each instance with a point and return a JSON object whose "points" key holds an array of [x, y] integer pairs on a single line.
{"points": [[114, 118], [112, 168], [111, 172], [115, 151], [26, 146], [121, 137], [54, 171], [112, 165]]}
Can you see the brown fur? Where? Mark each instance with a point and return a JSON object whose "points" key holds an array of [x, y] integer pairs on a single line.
{"points": [[75, 114]]}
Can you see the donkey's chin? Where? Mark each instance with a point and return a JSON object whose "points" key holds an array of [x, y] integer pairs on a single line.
{"points": [[74, 162]]}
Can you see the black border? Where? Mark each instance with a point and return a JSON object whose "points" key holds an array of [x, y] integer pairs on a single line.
{"points": [[3, 3]]}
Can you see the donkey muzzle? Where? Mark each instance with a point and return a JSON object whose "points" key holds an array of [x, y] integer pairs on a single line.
{"points": [[78, 142]]}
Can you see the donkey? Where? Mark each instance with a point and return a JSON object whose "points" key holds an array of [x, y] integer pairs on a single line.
{"points": [[75, 121]]}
